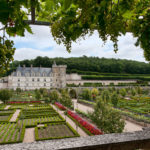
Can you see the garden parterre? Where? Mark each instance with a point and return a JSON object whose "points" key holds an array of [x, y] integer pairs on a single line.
{"points": [[11, 133], [55, 131], [33, 115]]}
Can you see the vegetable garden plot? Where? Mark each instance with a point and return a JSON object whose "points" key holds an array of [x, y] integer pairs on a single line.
{"points": [[38, 113], [10, 133], [55, 131], [138, 106], [34, 121], [5, 115]]}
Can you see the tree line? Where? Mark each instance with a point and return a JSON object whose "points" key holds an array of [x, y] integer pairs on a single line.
{"points": [[88, 65]]}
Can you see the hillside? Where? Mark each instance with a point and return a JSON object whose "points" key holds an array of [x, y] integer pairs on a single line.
{"points": [[89, 65]]}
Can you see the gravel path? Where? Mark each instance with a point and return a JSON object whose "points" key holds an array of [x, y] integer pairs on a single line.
{"points": [[7, 107], [78, 129], [29, 135], [15, 115], [129, 126]]}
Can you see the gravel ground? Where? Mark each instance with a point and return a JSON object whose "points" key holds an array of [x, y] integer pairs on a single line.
{"points": [[129, 126], [15, 115]]}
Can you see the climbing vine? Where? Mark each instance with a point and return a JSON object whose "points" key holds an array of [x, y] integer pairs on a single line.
{"points": [[71, 20]]}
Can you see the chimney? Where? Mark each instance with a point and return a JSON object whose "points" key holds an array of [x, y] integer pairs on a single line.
{"points": [[24, 66]]}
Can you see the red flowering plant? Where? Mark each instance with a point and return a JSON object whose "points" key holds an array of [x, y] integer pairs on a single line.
{"points": [[85, 124], [60, 106]]}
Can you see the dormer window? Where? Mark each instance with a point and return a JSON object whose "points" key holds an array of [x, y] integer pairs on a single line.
{"points": [[18, 73]]}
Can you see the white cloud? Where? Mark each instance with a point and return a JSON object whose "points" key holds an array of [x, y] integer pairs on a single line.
{"points": [[91, 46]]}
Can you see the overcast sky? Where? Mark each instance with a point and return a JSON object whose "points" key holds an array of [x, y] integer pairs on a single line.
{"points": [[41, 43]]}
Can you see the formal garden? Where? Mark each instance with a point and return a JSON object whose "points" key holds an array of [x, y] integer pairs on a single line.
{"points": [[48, 112], [48, 123]]}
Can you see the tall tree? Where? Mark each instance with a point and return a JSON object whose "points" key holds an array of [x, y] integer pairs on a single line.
{"points": [[106, 118]]}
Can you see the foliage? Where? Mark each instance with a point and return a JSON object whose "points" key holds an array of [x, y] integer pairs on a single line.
{"points": [[123, 92], [86, 94], [95, 93], [73, 93], [54, 96], [73, 19], [114, 99], [133, 91], [18, 90], [5, 95], [65, 99], [6, 54], [37, 95], [43, 90], [106, 119], [105, 95], [139, 90], [102, 68]]}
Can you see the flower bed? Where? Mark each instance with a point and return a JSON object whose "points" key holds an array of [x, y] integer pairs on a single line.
{"points": [[23, 102], [85, 124], [60, 106]]}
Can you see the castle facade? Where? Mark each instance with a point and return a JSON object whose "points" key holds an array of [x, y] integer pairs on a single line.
{"points": [[29, 78]]}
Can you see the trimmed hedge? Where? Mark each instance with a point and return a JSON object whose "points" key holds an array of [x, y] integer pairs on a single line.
{"points": [[100, 77]]}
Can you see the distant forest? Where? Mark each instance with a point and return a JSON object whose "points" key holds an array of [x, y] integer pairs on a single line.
{"points": [[88, 65]]}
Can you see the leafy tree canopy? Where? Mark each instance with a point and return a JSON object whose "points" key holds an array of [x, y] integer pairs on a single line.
{"points": [[72, 19]]}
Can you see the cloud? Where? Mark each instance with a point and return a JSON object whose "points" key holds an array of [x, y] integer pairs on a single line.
{"points": [[41, 43]]}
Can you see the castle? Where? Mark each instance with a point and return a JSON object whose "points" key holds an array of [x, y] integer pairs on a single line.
{"points": [[29, 78]]}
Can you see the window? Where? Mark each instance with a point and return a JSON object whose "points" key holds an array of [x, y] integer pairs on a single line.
{"points": [[37, 74], [44, 74], [18, 73], [18, 80], [45, 80], [38, 79], [44, 84], [18, 84], [27, 74], [33, 79], [33, 74]]}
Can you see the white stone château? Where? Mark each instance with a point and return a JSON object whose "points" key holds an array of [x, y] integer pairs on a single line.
{"points": [[29, 78]]}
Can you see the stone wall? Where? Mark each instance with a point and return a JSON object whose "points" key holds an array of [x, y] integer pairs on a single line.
{"points": [[116, 141], [73, 77], [104, 82]]}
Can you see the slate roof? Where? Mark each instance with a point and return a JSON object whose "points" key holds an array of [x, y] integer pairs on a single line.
{"points": [[37, 71]]}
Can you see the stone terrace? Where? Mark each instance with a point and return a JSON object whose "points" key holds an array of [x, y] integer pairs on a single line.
{"points": [[123, 141]]}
